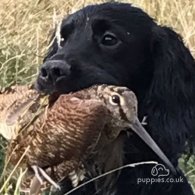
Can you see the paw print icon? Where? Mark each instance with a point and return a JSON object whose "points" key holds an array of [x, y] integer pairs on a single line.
{"points": [[160, 170]]}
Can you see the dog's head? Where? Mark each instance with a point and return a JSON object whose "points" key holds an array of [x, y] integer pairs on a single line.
{"points": [[116, 43], [107, 43]]}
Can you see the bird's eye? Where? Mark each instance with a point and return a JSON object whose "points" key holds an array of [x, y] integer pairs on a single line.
{"points": [[115, 99], [109, 39]]}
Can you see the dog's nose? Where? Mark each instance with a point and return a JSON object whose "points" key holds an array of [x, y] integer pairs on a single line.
{"points": [[54, 69]]}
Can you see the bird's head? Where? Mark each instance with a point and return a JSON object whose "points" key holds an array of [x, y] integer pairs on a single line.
{"points": [[122, 105]]}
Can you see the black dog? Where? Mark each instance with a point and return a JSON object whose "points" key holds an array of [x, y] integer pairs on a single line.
{"points": [[116, 43]]}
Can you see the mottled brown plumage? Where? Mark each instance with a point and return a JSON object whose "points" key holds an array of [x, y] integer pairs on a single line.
{"points": [[76, 130], [18, 106]]}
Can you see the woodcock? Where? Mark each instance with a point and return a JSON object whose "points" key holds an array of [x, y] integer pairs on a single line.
{"points": [[77, 127]]}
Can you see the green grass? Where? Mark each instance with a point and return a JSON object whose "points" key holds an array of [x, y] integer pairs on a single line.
{"points": [[2, 149]]}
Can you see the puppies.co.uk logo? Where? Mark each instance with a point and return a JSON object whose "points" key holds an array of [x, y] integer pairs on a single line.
{"points": [[160, 171], [160, 174]]}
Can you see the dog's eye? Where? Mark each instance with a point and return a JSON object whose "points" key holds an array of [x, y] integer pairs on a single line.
{"points": [[65, 32], [109, 39]]}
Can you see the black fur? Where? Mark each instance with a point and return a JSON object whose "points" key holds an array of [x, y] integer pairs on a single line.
{"points": [[149, 59]]}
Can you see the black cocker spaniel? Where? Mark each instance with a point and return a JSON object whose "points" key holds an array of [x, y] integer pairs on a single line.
{"points": [[116, 43]]}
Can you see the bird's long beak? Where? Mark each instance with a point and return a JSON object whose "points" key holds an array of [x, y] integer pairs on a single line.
{"points": [[142, 133]]}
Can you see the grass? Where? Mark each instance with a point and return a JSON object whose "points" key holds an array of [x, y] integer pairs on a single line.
{"points": [[25, 27]]}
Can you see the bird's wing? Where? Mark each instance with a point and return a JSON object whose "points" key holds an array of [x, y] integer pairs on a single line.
{"points": [[70, 125], [17, 106], [88, 118]]}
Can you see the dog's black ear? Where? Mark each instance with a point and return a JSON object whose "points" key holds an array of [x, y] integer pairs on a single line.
{"points": [[174, 66], [171, 98]]}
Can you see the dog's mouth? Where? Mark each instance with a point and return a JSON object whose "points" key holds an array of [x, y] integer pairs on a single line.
{"points": [[48, 86], [73, 83]]}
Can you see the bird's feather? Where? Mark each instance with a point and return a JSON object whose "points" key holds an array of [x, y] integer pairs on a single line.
{"points": [[18, 105]]}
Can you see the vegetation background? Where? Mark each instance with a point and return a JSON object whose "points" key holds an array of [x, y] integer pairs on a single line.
{"points": [[26, 25]]}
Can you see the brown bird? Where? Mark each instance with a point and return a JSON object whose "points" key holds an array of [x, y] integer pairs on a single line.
{"points": [[18, 106], [76, 128]]}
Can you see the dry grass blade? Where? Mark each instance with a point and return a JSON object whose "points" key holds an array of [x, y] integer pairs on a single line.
{"points": [[9, 177], [21, 175], [110, 172]]}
